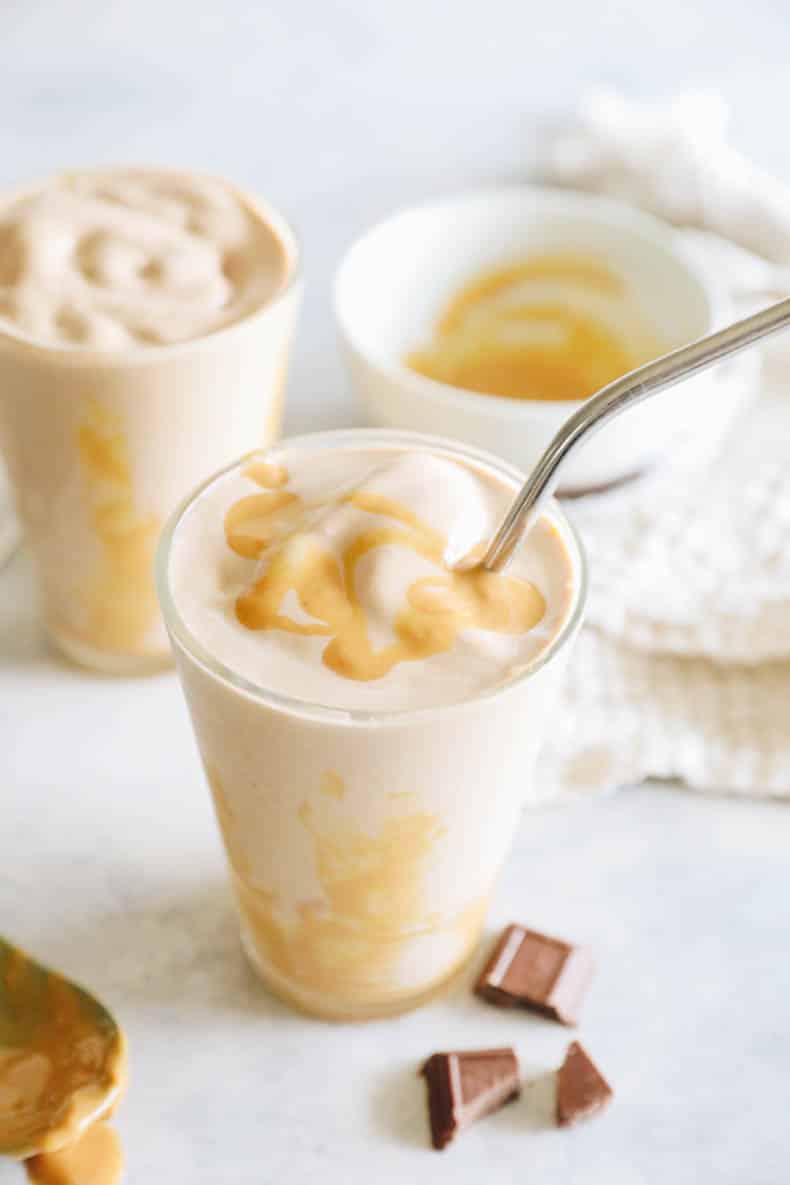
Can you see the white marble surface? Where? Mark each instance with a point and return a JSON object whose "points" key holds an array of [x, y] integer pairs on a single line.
{"points": [[109, 862], [110, 867]]}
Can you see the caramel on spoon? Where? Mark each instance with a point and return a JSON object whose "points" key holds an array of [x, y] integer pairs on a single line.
{"points": [[62, 1070]]}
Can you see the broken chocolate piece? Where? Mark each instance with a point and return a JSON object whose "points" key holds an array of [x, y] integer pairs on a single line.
{"points": [[531, 970], [463, 1087], [582, 1090]]}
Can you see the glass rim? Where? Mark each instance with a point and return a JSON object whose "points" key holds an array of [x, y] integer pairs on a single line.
{"points": [[183, 638], [79, 355]]}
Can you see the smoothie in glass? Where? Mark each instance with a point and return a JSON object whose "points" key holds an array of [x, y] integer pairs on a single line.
{"points": [[368, 716], [145, 320]]}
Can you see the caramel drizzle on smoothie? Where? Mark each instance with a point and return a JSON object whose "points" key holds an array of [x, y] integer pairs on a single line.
{"points": [[505, 334], [267, 474], [438, 608], [121, 601], [350, 940], [62, 1062]]}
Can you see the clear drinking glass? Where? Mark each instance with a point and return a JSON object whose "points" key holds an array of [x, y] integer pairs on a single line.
{"points": [[101, 445], [363, 846]]}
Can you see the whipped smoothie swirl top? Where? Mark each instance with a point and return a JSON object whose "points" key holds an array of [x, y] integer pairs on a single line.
{"points": [[329, 578], [118, 258]]}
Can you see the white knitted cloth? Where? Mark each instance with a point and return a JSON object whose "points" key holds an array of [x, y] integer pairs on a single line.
{"points": [[683, 670]]}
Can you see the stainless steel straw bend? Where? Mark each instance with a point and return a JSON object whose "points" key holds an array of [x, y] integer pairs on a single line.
{"points": [[611, 401]]}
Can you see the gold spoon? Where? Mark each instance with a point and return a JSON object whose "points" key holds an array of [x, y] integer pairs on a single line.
{"points": [[62, 1058]]}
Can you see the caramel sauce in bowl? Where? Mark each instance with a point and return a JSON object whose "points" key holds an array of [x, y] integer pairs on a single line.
{"points": [[553, 327], [492, 315]]}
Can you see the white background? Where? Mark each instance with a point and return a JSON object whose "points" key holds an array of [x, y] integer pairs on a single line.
{"points": [[109, 866], [341, 110]]}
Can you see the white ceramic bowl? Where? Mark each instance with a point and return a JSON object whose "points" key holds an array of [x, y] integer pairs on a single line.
{"points": [[395, 280]]}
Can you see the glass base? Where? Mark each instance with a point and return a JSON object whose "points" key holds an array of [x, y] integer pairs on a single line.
{"points": [[111, 664], [324, 1009]]}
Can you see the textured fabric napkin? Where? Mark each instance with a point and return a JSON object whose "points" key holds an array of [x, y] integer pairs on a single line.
{"points": [[683, 670]]}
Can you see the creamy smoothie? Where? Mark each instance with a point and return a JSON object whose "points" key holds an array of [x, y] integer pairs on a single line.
{"points": [[145, 319], [367, 714]]}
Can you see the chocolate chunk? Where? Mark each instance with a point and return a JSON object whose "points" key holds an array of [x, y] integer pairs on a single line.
{"points": [[531, 970], [582, 1089], [463, 1087]]}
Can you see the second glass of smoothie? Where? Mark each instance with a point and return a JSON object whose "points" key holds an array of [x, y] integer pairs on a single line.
{"points": [[368, 717], [145, 322]]}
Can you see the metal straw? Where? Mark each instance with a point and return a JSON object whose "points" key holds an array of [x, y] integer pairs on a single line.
{"points": [[613, 399]]}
